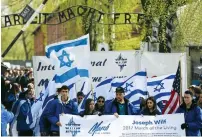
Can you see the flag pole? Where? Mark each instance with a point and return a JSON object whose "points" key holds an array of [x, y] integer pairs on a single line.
{"points": [[147, 96], [76, 91], [24, 28], [92, 92]]}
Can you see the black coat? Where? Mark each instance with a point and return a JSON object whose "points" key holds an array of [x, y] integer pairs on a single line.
{"points": [[147, 112], [101, 110]]}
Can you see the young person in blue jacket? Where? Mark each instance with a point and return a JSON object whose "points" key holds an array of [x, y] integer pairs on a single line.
{"points": [[192, 115], [120, 105], [44, 124], [62, 105], [6, 117], [25, 111]]}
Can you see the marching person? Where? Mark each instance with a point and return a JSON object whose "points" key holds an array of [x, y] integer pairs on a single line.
{"points": [[200, 105], [62, 105], [197, 92], [25, 111], [44, 123], [80, 97], [89, 108], [100, 105], [30, 87], [142, 105], [6, 117], [192, 114], [120, 105], [151, 107]]}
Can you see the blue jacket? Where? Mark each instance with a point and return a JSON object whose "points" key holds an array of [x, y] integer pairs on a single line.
{"points": [[56, 108], [193, 117], [25, 111], [44, 124], [6, 117], [112, 107]]}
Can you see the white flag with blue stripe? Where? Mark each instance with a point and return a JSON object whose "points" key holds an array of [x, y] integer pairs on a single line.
{"points": [[71, 60], [81, 106], [134, 87], [160, 87], [103, 89]]}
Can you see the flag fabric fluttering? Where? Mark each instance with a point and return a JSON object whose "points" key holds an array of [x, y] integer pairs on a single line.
{"points": [[174, 100], [160, 88], [81, 106], [103, 89], [135, 87], [72, 61]]}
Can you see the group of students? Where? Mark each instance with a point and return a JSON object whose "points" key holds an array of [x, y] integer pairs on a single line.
{"points": [[49, 121], [16, 84]]}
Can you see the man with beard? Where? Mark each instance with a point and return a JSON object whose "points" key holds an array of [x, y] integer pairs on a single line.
{"points": [[120, 105]]}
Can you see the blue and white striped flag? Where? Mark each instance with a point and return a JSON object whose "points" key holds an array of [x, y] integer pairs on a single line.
{"points": [[81, 106], [103, 89], [134, 87], [160, 88], [72, 61]]}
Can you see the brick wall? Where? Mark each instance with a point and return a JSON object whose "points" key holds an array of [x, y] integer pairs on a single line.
{"points": [[39, 49], [55, 33]]}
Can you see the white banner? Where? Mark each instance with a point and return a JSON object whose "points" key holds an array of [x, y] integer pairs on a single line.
{"points": [[158, 64], [124, 126], [117, 64], [104, 64], [43, 72]]}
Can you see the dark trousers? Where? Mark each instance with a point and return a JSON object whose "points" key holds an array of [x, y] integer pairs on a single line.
{"points": [[25, 133], [201, 131], [55, 133]]}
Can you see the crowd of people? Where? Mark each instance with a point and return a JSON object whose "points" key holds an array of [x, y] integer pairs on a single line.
{"points": [[17, 97]]}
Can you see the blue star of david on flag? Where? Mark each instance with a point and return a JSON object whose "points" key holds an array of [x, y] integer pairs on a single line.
{"points": [[128, 86], [40, 98], [160, 87], [63, 62]]}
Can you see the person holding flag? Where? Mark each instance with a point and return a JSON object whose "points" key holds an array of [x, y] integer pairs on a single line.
{"points": [[90, 108], [44, 123], [100, 105], [71, 59], [120, 105], [62, 105], [23, 112]]}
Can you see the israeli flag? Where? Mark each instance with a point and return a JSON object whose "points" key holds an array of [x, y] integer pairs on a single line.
{"points": [[160, 87], [83, 85], [45, 96], [71, 60], [81, 106], [135, 87], [103, 89]]}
